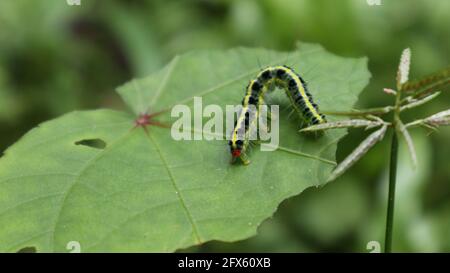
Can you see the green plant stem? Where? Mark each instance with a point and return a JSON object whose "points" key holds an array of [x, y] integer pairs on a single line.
{"points": [[393, 171], [391, 194]]}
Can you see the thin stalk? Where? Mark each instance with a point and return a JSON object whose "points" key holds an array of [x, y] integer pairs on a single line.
{"points": [[393, 171], [391, 194], [418, 122]]}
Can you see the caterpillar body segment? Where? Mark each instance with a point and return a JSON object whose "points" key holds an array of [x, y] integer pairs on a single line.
{"points": [[246, 122], [297, 92]]}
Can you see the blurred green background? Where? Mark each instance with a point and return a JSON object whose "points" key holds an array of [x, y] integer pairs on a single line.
{"points": [[56, 58]]}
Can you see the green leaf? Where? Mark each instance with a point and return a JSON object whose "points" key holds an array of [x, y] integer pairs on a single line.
{"points": [[94, 178]]}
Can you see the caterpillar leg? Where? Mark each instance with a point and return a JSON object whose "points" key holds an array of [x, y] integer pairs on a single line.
{"points": [[270, 86], [233, 160], [244, 158], [291, 113]]}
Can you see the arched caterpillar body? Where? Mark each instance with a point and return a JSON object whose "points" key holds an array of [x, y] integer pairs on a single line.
{"points": [[297, 92], [249, 113]]}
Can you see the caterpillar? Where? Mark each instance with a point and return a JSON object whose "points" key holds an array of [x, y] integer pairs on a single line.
{"points": [[296, 89], [249, 113]]}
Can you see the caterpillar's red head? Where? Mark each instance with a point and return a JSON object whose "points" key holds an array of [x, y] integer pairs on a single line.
{"points": [[236, 153], [236, 148]]}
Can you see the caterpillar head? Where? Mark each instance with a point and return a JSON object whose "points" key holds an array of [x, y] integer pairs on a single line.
{"points": [[236, 148]]}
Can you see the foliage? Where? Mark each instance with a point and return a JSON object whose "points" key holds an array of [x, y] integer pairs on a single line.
{"points": [[56, 58], [97, 178]]}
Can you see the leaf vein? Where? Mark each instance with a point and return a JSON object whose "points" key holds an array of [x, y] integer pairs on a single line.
{"points": [[174, 184]]}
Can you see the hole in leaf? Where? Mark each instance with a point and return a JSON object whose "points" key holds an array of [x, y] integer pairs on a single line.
{"points": [[28, 249], [93, 143]]}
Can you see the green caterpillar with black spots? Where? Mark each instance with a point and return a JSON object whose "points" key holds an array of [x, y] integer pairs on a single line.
{"points": [[296, 90]]}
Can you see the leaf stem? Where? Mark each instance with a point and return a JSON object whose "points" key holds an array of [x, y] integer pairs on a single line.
{"points": [[391, 194], [393, 169]]}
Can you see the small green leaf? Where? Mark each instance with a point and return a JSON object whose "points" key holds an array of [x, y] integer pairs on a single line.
{"points": [[93, 177]]}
